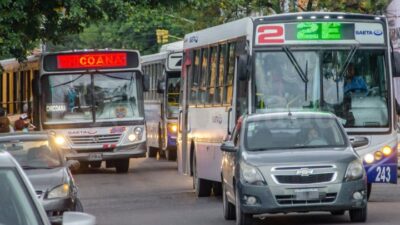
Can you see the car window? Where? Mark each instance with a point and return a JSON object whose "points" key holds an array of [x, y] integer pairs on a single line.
{"points": [[16, 204], [33, 154], [289, 133]]}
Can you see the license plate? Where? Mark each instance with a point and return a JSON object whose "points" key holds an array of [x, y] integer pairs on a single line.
{"points": [[95, 157], [306, 194]]}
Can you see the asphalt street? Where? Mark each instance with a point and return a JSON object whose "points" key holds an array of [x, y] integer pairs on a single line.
{"points": [[153, 193]]}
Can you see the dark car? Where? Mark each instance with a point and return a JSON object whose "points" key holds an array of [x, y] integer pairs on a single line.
{"points": [[292, 162], [18, 202], [47, 170]]}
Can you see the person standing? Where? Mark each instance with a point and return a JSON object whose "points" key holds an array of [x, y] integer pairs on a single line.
{"points": [[4, 122]]}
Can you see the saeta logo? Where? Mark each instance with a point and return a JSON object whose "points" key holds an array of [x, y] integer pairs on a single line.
{"points": [[369, 32], [378, 32]]}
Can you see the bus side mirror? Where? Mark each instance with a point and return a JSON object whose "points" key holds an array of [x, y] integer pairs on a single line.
{"points": [[146, 82], [243, 67], [396, 64], [160, 86]]}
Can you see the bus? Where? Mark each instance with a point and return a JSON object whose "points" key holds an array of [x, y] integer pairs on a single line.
{"points": [[299, 61], [91, 100], [162, 100]]}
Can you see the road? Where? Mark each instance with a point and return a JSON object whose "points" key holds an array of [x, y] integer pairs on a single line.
{"points": [[153, 193]]}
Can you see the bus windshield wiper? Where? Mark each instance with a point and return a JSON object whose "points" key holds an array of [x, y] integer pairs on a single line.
{"points": [[348, 60], [303, 75]]}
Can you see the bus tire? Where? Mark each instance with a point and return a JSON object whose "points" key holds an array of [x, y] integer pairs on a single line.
{"points": [[95, 165], [201, 186], [369, 189], [152, 152], [170, 154], [122, 165], [217, 188]]}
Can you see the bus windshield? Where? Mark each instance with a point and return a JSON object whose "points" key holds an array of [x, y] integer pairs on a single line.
{"points": [[100, 97], [352, 84], [173, 88]]}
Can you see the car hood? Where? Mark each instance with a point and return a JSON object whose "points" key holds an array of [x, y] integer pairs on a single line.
{"points": [[299, 156], [46, 179]]}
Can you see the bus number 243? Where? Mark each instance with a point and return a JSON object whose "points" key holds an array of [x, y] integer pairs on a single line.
{"points": [[383, 174]]}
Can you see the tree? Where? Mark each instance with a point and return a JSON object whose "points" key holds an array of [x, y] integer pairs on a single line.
{"points": [[25, 23]]}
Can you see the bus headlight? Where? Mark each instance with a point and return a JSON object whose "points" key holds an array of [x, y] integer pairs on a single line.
{"points": [[172, 127], [132, 137], [386, 150], [136, 135], [60, 140], [355, 170], [251, 175], [369, 158]]}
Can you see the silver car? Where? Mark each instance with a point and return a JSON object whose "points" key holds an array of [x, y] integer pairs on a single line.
{"points": [[18, 202], [291, 162]]}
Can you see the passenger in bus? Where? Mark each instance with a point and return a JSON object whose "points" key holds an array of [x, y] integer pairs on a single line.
{"points": [[354, 82], [4, 122], [24, 124]]}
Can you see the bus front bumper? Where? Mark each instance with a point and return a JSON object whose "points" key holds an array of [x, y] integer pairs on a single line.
{"points": [[120, 152]]}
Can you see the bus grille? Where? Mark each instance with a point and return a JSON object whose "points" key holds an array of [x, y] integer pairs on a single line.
{"points": [[291, 199], [298, 179], [95, 139]]}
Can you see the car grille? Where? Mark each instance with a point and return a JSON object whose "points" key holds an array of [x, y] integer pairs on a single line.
{"points": [[95, 139], [291, 199], [310, 179]]}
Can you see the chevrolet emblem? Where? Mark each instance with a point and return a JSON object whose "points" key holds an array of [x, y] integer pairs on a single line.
{"points": [[304, 172]]}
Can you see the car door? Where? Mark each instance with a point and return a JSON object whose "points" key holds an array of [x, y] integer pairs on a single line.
{"points": [[229, 162]]}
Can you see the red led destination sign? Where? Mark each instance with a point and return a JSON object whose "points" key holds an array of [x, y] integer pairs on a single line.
{"points": [[92, 60]]}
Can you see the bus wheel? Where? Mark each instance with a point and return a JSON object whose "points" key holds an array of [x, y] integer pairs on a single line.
{"points": [[170, 154], [217, 188], [202, 187], [122, 165], [152, 152], [369, 188]]}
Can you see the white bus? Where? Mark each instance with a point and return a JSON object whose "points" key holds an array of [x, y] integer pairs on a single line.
{"points": [[162, 101], [93, 102], [301, 61]]}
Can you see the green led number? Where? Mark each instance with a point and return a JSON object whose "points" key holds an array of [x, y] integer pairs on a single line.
{"points": [[331, 31], [307, 31], [319, 31]]}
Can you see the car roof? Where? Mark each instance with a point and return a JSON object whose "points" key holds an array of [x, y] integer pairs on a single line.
{"points": [[283, 115], [31, 136], [6, 160]]}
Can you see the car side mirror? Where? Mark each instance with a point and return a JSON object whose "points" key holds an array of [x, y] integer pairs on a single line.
{"points": [[228, 146], [359, 141], [146, 82], [73, 164], [227, 137], [160, 86], [78, 218]]}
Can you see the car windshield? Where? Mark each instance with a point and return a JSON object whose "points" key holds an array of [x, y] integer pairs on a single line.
{"points": [[173, 88], [291, 133], [33, 154], [351, 83], [99, 97], [16, 206]]}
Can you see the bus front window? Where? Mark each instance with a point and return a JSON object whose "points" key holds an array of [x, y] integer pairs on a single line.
{"points": [[173, 88], [352, 84], [96, 97]]}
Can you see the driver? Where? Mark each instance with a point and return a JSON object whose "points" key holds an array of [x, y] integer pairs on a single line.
{"points": [[354, 82]]}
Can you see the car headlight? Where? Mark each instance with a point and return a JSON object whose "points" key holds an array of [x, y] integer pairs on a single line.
{"points": [[251, 175], [172, 127], [61, 191], [355, 170]]}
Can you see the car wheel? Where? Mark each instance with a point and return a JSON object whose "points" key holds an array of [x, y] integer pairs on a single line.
{"points": [[170, 154], [95, 165], [369, 189], [152, 152], [217, 188], [358, 215], [338, 212], [229, 208], [202, 187], [122, 165], [78, 205], [241, 217]]}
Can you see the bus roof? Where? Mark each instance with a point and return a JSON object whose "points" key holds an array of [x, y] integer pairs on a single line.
{"points": [[172, 47]]}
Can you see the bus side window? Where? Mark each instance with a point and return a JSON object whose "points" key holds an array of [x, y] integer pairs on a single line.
{"points": [[212, 75], [228, 92]]}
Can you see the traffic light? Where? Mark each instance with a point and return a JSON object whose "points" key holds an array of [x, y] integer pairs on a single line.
{"points": [[162, 36]]}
